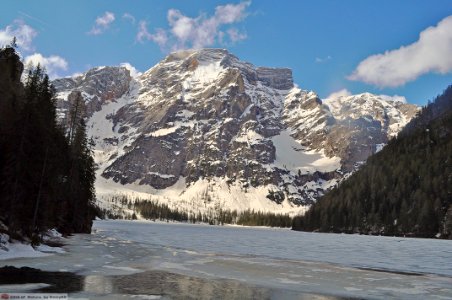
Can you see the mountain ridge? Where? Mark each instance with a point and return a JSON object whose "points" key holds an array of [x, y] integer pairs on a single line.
{"points": [[205, 121]]}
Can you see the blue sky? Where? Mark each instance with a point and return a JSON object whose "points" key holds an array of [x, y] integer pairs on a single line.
{"points": [[392, 47]]}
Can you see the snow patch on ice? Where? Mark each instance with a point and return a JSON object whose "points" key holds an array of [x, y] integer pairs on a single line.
{"points": [[408, 291], [14, 288], [352, 289], [17, 249], [146, 297], [47, 249], [287, 281], [128, 269]]}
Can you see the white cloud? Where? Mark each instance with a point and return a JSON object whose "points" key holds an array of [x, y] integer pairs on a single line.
{"points": [[341, 93], [129, 17], [52, 64], [323, 59], [102, 23], [133, 71], [431, 53], [235, 35], [23, 33], [76, 74], [143, 33], [395, 98], [201, 31], [231, 13], [159, 37]]}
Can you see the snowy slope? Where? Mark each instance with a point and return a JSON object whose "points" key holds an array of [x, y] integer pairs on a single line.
{"points": [[392, 112], [203, 130]]}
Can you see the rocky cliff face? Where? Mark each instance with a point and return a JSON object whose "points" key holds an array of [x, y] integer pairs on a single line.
{"points": [[202, 128], [363, 124], [98, 87]]}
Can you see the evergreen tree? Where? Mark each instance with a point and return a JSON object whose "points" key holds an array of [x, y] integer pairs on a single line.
{"points": [[81, 180], [39, 166], [405, 189]]}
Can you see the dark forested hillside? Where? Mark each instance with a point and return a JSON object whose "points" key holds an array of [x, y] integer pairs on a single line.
{"points": [[405, 189], [46, 170]]}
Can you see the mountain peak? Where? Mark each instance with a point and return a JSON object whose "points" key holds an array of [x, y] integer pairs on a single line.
{"points": [[206, 128], [205, 54], [209, 65], [392, 112], [368, 97]]}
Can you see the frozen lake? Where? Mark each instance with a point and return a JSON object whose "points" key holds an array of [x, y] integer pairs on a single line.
{"points": [[124, 258]]}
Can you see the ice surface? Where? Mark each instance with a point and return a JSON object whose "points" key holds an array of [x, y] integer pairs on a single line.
{"points": [[47, 249], [293, 262]]}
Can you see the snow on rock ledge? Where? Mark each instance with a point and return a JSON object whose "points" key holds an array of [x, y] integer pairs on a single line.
{"points": [[204, 120]]}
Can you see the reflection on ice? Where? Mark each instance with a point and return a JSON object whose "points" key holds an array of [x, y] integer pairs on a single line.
{"points": [[95, 284], [176, 286], [127, 269]]}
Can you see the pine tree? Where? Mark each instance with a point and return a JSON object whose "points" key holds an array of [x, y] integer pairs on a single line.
{"points": [[82, 170], [405, 189], [37, 159]]}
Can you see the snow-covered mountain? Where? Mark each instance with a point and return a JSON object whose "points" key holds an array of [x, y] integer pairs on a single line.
{"points": [[203, 129]]}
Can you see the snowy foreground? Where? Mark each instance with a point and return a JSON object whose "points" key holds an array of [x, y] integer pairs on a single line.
{"points": [[9, 250], [146, 260]]}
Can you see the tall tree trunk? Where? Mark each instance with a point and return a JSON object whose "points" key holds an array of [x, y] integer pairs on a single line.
{"points": [[38, 197]]}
